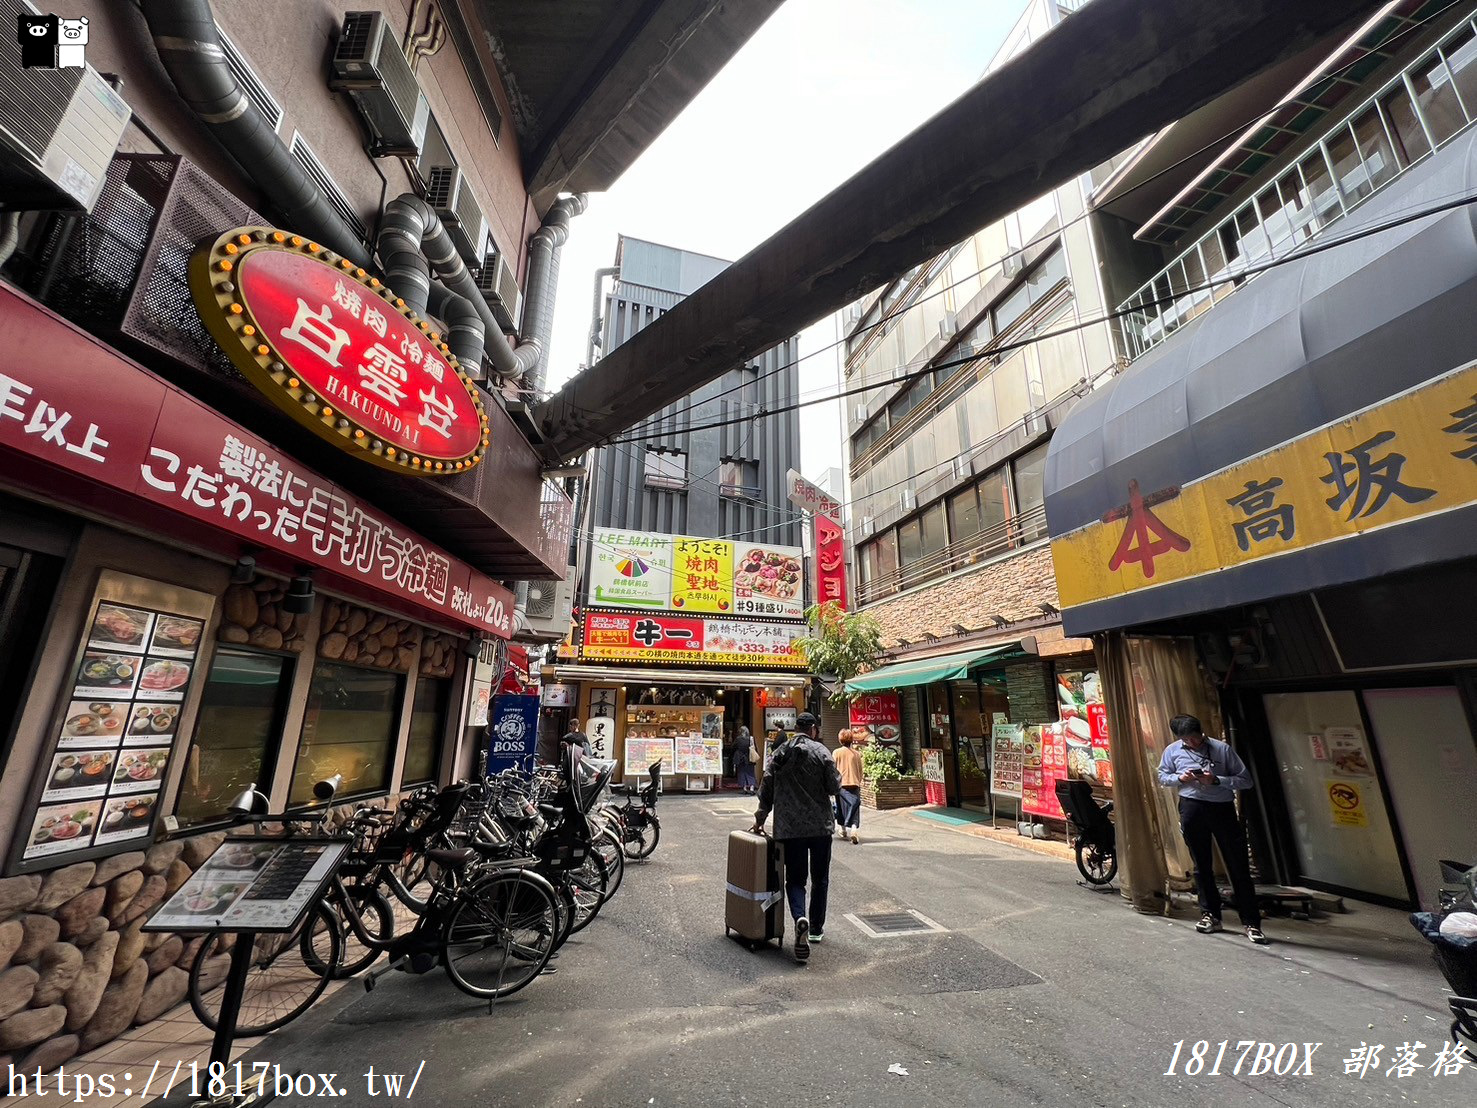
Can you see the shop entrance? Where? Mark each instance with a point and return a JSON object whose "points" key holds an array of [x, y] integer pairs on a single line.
{"points": [[1378, 786]]}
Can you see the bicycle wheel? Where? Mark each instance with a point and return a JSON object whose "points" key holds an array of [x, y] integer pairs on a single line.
{"points": [[288, 973], [641, 841], [500, 934], [608, 844], [1098, 866], [588, 882], [378, 919]]}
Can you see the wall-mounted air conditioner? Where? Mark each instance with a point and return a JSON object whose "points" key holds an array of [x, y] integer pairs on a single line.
{"points": [[499, 287], [369, 65], [868, 525], [907, 500], [859, 415], [449, 193], [59, 129], [1011, 265], [550, 606], [947, 326], [853, 315]]}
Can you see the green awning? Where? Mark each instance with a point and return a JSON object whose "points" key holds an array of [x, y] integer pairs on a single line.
{"points": [[925, 671]]}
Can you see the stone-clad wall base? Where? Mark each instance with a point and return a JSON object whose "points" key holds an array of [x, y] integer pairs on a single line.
{"points": [[76, 967]]}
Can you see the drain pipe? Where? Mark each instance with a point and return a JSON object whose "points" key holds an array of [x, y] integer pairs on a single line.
{"points": [[543, 283], [597, 315], [189, 45]]}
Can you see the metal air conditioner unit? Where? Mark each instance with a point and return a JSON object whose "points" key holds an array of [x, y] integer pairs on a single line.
{"points": [[449, 193], [550, 608], [859, 415], [499, 287], [907, 500], [947, 326], [853, 315], [961, 468], [59, 130], [369, 65], [1011, 265], [869, 524]]}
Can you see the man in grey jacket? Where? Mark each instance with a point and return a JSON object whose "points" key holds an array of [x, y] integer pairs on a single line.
{"points": [[800, 787]]}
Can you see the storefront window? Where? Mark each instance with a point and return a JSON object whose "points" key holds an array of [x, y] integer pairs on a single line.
{"points": [[349, 728], [237, 734], [427, 725]]}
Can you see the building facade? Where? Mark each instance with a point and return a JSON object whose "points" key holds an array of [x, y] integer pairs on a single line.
{"points": [[973, 358], [1267, 517], [269, 303], [723, 482]]}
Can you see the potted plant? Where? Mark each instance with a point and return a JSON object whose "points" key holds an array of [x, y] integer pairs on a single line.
{"points": [[884, 784]]}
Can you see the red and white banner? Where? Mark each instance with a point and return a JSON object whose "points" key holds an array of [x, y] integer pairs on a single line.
{"points": [[878, 716], [830, 561], [73, 403]]}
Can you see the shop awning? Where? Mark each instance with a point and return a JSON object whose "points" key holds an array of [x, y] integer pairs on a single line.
{"points": [[1309, 431], [635, 675], [925, 671]]}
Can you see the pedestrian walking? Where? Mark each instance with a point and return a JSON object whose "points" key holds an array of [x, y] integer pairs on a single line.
{"points": [[849, 799], [549, 748], [744, 756], [799, 786], [1208, 773]]}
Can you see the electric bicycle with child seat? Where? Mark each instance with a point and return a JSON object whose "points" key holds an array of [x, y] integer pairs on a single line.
{"points": [[641, 828]]}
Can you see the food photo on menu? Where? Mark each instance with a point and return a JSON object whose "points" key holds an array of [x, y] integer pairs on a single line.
{"points": [[61, 827], [176, 635], [106, 673], [127, 817], [88, 721], [78, 773], [164, 678], [116, 627], [139, 770], [148, 722]]}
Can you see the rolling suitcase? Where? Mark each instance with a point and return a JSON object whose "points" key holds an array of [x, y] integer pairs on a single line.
{"points": [[754, 912]]}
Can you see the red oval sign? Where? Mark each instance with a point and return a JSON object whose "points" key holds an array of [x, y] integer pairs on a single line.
{"points": [[338, 351]]}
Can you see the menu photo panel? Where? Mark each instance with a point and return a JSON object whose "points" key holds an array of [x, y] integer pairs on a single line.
{"points": [[117, 728]]}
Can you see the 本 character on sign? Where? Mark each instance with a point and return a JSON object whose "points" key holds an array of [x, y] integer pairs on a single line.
{"points": [[1145, 536]]}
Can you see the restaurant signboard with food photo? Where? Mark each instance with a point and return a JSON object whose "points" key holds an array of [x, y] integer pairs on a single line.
{"points": [[637, 637], [112, 743], [877, 716]]}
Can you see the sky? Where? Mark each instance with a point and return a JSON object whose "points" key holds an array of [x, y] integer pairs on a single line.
{"points": [[823, 88]]}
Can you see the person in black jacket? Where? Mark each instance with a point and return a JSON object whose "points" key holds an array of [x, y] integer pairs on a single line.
{"points": [[800, 787]]}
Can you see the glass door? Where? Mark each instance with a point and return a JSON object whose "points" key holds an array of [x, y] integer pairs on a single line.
{"points": [[1335, 803], [971, 746], [1430, 765]]}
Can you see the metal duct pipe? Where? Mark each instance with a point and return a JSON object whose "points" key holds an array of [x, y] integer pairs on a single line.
{"points": [[520, 606], [189, 45], [598, 313], [543, 284], [465, 333], [10, 235]]}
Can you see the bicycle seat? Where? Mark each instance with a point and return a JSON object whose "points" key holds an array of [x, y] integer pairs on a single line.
{"points": [[450, 859], [550, 811]]}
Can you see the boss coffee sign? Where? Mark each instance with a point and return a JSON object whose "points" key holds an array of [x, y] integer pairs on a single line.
{"points": [[339, 351]]}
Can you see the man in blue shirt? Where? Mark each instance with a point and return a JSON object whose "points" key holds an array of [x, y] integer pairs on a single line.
{"points": [[1207, 772]]}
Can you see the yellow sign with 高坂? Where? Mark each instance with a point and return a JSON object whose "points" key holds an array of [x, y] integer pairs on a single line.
{"points": [[702, 575], [1346, 804], [1405, 458]]}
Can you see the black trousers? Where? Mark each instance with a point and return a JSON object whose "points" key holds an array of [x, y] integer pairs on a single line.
{"points": [[1200, 822]]}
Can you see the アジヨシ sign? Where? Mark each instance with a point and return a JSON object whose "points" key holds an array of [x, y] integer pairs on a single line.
{"points": [[338, 351]]}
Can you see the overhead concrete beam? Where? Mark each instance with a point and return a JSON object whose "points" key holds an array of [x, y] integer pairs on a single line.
{"points": [[1109, 75]]}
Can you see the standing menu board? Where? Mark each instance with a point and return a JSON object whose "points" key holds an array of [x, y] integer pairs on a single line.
{"points": [[252, 884], [699, 754], [1009, 759], [642, 750], [1045, 765], [118, 727]]}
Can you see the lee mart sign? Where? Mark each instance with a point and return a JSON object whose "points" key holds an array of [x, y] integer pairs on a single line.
{"points": [[338, 351]]}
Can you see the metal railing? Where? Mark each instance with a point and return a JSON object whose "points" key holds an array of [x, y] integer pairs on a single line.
{"points": [[1301, 205], [1019, 530]]}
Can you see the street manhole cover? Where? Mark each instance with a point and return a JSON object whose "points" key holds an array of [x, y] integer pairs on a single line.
{"points": [[882, 925]]}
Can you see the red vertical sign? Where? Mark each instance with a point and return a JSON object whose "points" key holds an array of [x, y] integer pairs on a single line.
{"points": [[830, 561]]}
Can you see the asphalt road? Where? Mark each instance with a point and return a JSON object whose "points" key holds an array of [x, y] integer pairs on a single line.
{"points": [[1038, 992]]}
